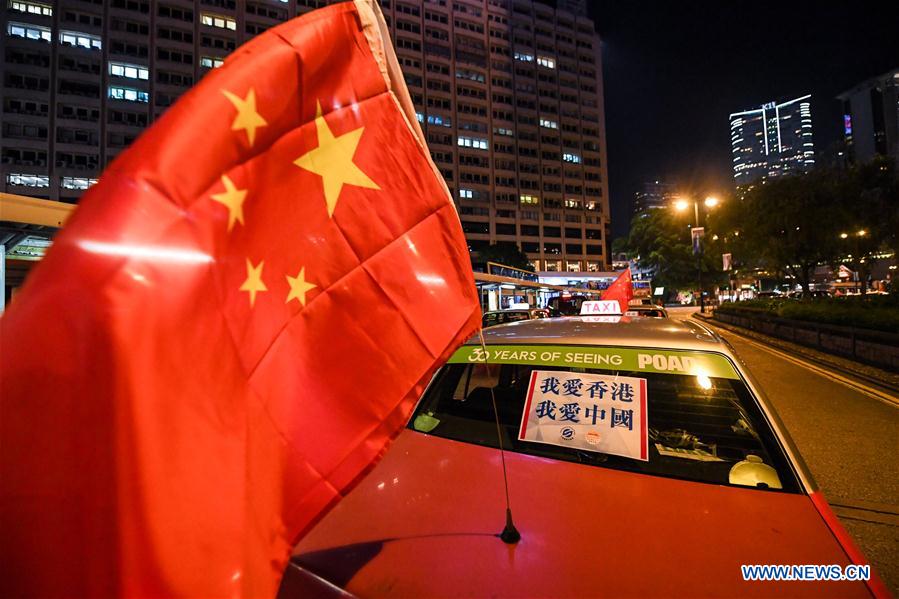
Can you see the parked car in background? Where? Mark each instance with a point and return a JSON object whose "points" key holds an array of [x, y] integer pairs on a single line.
{"points": [[496, 317], [640, 301], [816, 294], [769, 295], [648, 310]]}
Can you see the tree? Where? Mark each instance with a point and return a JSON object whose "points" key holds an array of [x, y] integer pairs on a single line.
{"points": [[791, 224], [660, 241], [506, 253], [869, 214], [619, 246]]}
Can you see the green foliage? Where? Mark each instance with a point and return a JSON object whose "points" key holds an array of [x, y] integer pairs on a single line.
{"points": [[619, 245], [793, 223], [506, 253], [870, 204], [660, 240], [879, 313], [785, 226]]}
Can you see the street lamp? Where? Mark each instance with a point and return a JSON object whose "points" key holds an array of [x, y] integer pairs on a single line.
{"points": [[681, 205]]}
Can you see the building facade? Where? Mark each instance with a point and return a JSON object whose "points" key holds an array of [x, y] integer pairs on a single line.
{"points": [[508, 92], [772, 140], [871, 118], [655, 194]]}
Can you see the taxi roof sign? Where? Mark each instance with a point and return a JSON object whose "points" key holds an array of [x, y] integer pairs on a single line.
{"points": [[601, 308]]}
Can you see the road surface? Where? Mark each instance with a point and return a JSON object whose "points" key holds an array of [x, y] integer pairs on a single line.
{"points": [[849, 439]]}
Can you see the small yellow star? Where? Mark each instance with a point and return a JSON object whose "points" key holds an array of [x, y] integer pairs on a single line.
{"points": [[247, 117], [333, 161], [299, 286], [233, 199], [254, 283]]}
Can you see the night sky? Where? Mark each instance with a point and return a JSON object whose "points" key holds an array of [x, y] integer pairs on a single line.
{"points": [[674, 71]]}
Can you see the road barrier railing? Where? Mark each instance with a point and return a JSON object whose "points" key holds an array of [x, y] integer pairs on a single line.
{"points": [[876, 348]]}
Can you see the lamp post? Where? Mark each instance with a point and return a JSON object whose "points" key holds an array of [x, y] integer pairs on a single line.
{"points": [[682, 204]]}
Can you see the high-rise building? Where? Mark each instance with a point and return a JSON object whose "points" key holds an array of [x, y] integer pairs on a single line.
{"points": [[655, 194], [772, 140], [508, 92], [871, 118]]}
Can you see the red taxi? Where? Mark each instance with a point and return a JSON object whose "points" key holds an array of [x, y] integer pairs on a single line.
{"points": [[642, 461]]}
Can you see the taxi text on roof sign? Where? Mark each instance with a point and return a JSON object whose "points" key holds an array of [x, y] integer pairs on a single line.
{"points": [[631, 359], [608, 307]]}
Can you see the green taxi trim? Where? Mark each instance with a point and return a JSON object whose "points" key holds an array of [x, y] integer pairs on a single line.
{"points": [[683, 362]]}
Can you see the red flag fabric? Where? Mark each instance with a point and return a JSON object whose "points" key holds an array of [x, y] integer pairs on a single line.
{"points": [[621, 289], [231, 328]]}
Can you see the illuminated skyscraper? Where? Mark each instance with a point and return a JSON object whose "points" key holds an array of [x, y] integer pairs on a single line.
{"points": [[871, 118], [773, 140]]}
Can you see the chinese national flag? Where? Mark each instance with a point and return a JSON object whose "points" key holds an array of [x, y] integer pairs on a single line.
{"points": [[621, 289], [231, 328]]}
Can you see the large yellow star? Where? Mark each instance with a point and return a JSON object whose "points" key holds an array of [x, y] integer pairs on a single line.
{"points": [[233, 199], [254, 283], [333, 160], [247, 117], [299, 286]]}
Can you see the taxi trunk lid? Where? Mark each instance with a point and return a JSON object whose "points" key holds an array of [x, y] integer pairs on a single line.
{"points": [[426, 521]]}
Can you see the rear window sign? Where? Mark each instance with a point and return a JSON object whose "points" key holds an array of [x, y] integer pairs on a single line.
{"points": [[588, 412]]}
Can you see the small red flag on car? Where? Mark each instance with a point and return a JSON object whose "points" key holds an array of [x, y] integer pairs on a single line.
{"points": [[232, 327], [621, 289]]}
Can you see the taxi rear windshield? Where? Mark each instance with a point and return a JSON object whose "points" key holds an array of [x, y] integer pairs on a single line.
{"points": [[699, 428]]}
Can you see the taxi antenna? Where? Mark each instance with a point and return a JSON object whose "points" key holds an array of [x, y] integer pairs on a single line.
{"points": [[510, 534]]}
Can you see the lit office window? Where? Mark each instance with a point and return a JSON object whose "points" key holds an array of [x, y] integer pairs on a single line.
{"points": [[503, 131], [129, 94], [549, 124], [32, 32], [473, 142], [572, 203], [420, 117], [466, 193], [211, 62], [443, 121], [218, 21], [32, 8], [76, 182], [28, 180], [528, 199], [128, 71], [545, 61], [524, 57], [82, 40], [571, 158]]}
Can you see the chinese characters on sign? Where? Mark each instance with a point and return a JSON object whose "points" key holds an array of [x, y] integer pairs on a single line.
{"points": [[590, 412]]}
